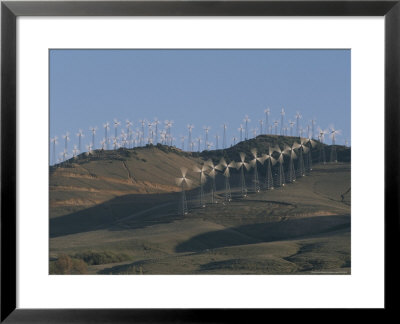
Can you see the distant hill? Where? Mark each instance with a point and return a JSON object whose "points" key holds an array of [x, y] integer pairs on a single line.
{"points": [[90, 180]]}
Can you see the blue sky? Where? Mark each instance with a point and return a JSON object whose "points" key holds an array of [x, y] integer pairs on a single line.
{"points": [[200, 87]]}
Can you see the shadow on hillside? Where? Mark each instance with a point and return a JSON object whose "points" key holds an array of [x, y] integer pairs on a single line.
{"points": [[265, 232], [135, 211]]}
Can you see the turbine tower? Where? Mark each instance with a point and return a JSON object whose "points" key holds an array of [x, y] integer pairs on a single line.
{"points": [[240, 166], [269, 181], [223, 166], [142, 123], [266, 111], [66, 140], [276, 127], [280, 181], [182, 207], [128, 131], [106, 128], [206, 130], [298, 117], [212, 174], [202, 179], [322, 158], [282, 120], [246, 120], [255, 174], [156, 123], [116, 124], [261, 126], [313, 128], [289, 150], [93, 130], [80, 135], [302, 148], [224, 137], [310, 143], [75, 152], [190, 127], [240, 129], [54, 143], [333, 133], [216, 141]]}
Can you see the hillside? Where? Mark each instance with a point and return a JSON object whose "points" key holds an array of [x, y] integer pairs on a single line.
{"points": [[126, 202]]}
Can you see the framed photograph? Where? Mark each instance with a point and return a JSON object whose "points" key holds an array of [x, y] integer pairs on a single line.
{"points": [[160, 159]]}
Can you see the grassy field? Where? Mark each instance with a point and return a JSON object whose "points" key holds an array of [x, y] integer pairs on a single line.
{"points": [[110, 214]]}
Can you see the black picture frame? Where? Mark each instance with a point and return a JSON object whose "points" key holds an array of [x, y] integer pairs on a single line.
{"points": [[10, 10]]}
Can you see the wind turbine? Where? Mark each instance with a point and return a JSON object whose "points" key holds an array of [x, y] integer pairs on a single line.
{"points": [[80, 135], [269, 181], [313, 128], [255, 174], [240, 129], [333, 133], [223, 166], [302, 148], [322, 158], [106, 128], [66, 140], [116, 124], [298, 117], [234, 140], [89, 149], [142, 123], [198, 143], [183, 142], [246, 120], [206, 130], [54, 143], [266, 111], [310, 143], [190, 127], [183, 208], [128, 131], [103, 143], [276, 127], [289, 150], [75, 152], [282, 120], [291, 123], [240, 166], [202, 175], [156, 123], [224, 137], [281, 175], [212, 174], [216, 141], [93, 130], [261, 126]]}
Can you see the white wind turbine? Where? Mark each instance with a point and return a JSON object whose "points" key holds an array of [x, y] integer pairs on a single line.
{"points": [[298, 117], [156, 123], [75, 152], [190, 127], [269, 180], [224, 167], [321, 136], [128, 131], [80, 135], [266, 111], [261, 126], [93, 130], [183, 208], [202, 179], [302, 148], [64, 155], [280, 181], [291, 124], [198, 144], [282, 120], [246, 120], [106, 129], [253, 163], [224, 136], [142, 123], [212, 174], [103, 144], [310, 143], [216, 141], [240, 166], [54, 143], [66, 140], [89, 149], [240, 129], [206, 130], [333, 133], [234, 140], [183, 142], [116, 124], [289, 150], [276, 127]]}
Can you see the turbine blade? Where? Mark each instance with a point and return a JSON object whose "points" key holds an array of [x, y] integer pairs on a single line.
{"points": [[178, 181], [184, 171], [242, 156]]}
